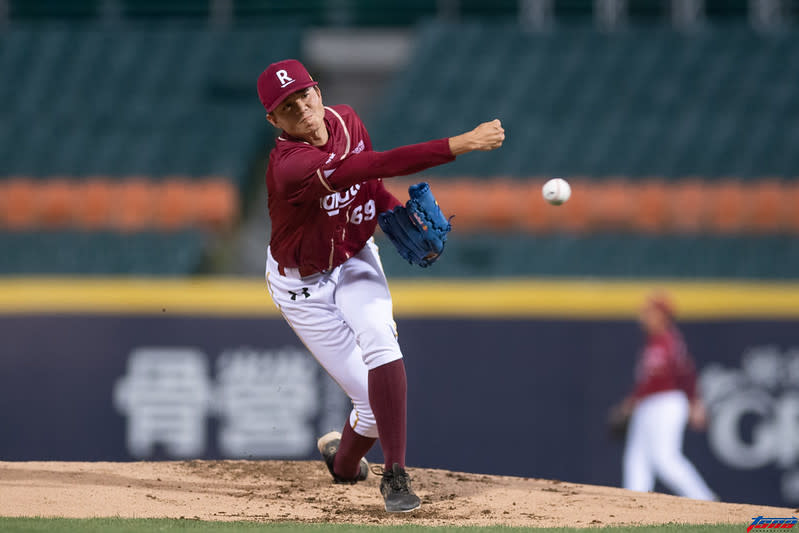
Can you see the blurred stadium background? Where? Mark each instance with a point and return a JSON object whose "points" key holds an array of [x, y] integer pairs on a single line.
{"points": [[132, 144], [130, 129]]}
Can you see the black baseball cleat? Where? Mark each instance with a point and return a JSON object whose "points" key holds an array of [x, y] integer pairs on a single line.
{"points": [[396, 490], [328, 446]]}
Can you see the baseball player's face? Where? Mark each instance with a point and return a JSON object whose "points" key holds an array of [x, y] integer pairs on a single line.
{"points": [[652, 320], [301, 114]]}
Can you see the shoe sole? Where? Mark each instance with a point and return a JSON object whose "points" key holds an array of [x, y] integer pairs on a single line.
{"points": [[325, 439], [403, 510]]}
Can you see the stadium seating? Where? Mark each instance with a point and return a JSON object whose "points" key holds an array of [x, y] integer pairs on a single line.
{"points": [[103, 253], [50, 9], [126, 129], [609, 255], [122, 203], [152, 102], [650, 206], [365, 12], [578, 102], [680, 147]]}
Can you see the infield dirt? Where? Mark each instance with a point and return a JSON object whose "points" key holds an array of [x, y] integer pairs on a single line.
{"points": [[303, 491]]}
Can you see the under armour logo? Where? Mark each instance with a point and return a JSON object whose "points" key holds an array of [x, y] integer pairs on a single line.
{"points": [[303, 292], [284, 78]]}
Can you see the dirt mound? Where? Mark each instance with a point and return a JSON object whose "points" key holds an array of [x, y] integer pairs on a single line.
{"points": [[303, 491]]}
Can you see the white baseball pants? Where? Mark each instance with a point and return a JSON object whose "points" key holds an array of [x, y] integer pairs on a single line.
{"points": [[654, 448], [345, 319]]}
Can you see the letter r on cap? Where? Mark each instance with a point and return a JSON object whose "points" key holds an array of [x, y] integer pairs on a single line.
{"points": [[284, 78]]}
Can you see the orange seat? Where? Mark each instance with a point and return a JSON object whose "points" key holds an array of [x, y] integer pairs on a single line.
{"points": [[398, 187], [442, 189], [524, 203], [771, 206], [687, 206], [96, 203], [612, 205], [135, 205], [3, 201], [502, 204], [727, 206], [651, 211], [458, 198], [790, 205], [575, 215], [537, 215], [18, 203], [174, 206], [56, 203], [216, 201]]}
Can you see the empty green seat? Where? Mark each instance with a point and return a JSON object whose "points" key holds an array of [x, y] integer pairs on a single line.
{"points": [[576, 101], [101, 253], [608, 256], [159, 101]]}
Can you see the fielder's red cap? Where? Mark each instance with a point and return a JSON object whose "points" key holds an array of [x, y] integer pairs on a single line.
{"points": [[280, 80]]}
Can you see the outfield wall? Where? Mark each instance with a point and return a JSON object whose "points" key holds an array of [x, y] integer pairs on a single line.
{"points": [[507, 377]]}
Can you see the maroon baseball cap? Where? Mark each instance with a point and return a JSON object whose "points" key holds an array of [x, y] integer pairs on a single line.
{"points": [[280, 80]]}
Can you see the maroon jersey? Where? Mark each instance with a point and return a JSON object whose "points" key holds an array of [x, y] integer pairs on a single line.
{"points": [[665, 365], [324, 201]]}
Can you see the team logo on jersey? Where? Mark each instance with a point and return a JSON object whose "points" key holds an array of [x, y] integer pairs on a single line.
{"points": [[359, 148], [284, 78], [333, 203]]}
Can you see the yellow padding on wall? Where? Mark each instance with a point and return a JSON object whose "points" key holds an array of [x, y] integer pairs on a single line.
{"points": [[507, 298], [594, 299], [135, 295]]}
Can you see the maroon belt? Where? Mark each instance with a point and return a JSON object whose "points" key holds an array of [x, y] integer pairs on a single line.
{"points": [[304, 271]]}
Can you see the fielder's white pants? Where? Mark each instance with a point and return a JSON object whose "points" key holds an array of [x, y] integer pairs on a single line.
{"points": [[345, 319], [654, 448]]}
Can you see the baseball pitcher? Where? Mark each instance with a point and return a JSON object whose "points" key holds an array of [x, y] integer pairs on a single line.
{"points": [[323, 271]]}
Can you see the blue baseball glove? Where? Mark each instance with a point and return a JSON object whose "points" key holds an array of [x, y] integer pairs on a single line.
{"points": [[419, 228]]}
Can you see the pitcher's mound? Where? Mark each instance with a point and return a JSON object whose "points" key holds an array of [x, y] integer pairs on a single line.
{"points": [[303, 491]]}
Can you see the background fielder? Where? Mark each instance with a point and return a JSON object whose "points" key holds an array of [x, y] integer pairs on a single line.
{"points": [[323, 269], [664, 401]]}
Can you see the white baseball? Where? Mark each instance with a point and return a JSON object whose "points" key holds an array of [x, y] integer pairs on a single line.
{"points": [[556, 191]]}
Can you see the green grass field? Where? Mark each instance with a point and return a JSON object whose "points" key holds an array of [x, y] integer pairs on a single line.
{"points": [[118, 525]]}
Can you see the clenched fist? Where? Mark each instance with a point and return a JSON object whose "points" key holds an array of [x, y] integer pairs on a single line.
{"points": [[487, 136]]}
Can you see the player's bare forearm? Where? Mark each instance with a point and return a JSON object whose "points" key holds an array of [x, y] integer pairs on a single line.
{"points": [[487, 136], [697, 417]]}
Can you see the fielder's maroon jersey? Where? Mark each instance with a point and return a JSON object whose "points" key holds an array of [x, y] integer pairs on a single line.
{"points": [[665, 365], [324, 201]]}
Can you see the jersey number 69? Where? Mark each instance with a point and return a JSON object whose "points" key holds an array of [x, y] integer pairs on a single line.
{"points": [[363, 212]]}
